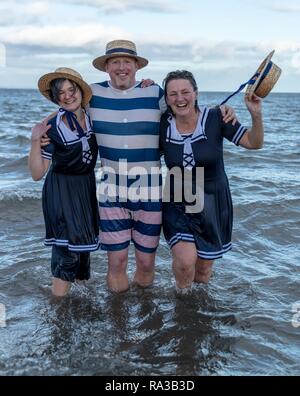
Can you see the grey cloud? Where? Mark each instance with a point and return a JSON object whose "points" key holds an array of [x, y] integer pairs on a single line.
{"points": [[9, 17], [194, 53], [286, 8], [218, 56], [6, 19], [278, 6], [28, 52], [220, 66], [186, 52], [26, 12], [121, 6]]}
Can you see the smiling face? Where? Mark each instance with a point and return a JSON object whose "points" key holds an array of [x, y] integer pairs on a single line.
{"points": [[181, 97], [122, 71], [69, 96]]}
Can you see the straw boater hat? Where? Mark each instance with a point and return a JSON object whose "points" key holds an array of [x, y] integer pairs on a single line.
{"points": [[119, 48], [70, 74], [266, 77]]}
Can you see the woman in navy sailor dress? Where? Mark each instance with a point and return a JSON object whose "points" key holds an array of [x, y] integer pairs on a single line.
{"points": [[191, 138], [69, 200]]}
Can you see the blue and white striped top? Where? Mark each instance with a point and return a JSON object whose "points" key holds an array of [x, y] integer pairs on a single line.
{"points": [[126, 124]]}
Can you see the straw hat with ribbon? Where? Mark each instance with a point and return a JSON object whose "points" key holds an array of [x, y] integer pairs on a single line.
{"points": [[70, 74], [263, 80], [119, 48]]}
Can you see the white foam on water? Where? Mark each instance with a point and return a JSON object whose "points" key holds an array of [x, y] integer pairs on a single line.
{"points": [[19, 195]]}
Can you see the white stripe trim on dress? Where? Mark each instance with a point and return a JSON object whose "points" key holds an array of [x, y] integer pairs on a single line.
{"points": [[237, 137], [180, 237], [205, 111], [75, 248], [214, 255], [47, 156]]}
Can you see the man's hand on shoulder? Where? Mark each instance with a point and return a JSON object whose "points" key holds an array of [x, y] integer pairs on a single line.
{"points": [[147, 83], [228, 114]]}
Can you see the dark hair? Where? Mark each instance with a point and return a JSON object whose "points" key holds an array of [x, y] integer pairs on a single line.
{"points": [[180, 75], [56, 86]]}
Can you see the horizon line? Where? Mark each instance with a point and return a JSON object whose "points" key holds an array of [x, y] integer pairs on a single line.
{"points": [[276, 92]]}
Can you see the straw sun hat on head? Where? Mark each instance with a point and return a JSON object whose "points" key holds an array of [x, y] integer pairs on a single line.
{"points": [[265, 78], [119, 48], [70, 74]]}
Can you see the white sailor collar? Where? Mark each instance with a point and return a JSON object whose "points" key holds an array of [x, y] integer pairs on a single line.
{"points": [[65, 133], [173, 136]]}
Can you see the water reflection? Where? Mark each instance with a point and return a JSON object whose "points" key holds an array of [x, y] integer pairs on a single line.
{"points": [[172, 334]]}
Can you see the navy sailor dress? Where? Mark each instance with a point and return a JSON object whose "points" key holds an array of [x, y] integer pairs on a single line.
{"points": [[209, 229], [69, 199]]}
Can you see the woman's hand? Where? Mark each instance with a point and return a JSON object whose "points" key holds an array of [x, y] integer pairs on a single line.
{"points": [[228, 114], [45, 140], [38, 166], [253, 103], [147, 83], [40, 130]]}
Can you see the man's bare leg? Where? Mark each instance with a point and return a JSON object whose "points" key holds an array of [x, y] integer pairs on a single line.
{"points": [[144, 274], [117, 279]]}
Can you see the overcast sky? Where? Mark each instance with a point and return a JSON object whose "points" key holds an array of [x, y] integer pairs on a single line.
{"points": [[222, 41]]}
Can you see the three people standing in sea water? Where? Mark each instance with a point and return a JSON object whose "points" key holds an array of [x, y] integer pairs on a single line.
{"points": [[133, 126]]}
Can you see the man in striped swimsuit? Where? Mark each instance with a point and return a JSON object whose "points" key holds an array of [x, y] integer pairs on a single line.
{"points": [[125, 119]]}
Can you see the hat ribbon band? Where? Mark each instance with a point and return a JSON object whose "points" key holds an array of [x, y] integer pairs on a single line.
{"points": [[250, 82], [265, 73], [115, 50]]}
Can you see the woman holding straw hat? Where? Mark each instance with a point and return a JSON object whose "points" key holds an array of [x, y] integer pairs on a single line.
{"points": [[69, 193], [191, 138]]}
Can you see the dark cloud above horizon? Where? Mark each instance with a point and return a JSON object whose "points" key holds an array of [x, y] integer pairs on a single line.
{"points": [[41, 34]]}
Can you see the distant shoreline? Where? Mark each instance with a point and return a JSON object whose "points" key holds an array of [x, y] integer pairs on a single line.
{"points": [[213, 92]]}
